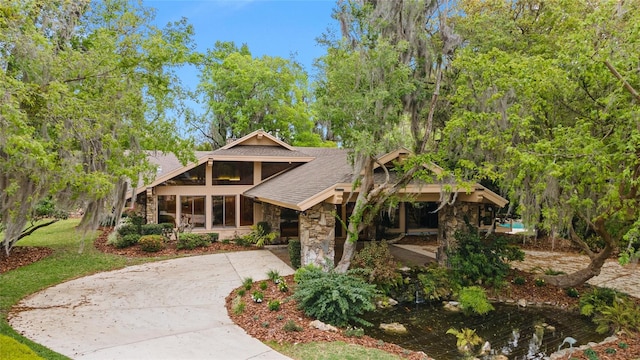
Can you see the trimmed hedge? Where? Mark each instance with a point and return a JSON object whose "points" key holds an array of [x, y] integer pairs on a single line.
{"points": [[191, 241], [151, 243], [127, 240]]}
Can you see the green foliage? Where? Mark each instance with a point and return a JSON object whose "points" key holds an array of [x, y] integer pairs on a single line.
{"points": [[263, 285], [466, 339], [380, 266], [239, 307], [595, 300], [191, 241], [622, 315], [572, 292], [247, 283], [152, 229], [274, 305], [241, 292], [540, 282], [261, 234], [334, 298], [151, 243], [473, 300], [242, 241], [213, 237], [274, 275], [282, 286], [257, 296], [437, 283], [519, 280], [291, 326], [591, 354], [12, 349], [127, 240], [475, 261], [128, 229], [295, 247]]}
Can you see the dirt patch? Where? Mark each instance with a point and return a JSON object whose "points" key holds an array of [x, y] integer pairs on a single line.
{"points": [[21, 256]]}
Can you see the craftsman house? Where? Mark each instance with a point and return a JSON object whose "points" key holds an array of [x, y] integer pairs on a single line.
{"points": [[298, 191]]}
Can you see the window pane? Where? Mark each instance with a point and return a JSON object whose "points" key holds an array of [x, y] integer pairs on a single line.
{"points": [[232, 173], [224, 211], [421, 215], [195, 176], [193, 210], [271, 168], [167, 209], [246, 211]]}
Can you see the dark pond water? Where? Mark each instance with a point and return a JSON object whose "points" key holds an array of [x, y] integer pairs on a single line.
{"points": [[509, 329]]}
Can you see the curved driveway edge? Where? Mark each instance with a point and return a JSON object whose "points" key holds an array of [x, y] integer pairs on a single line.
{"points": [[172, 309]]}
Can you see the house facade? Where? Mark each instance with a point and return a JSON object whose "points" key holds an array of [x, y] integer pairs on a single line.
{"points": [[299, 191]]}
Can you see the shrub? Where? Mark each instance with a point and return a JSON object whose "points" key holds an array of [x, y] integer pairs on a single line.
{"points": [[333, 298], [274, 276], [213, 237], [475, 261], [622, 315], [295, 248], [151, 243], [247, 283], [241, 241], [257, 296], [241, 292], [282, 286], [152, 229], [379, 264], [191, 241], [594, 301], [239, 307], [274, 305], [572, 292], [437, 283], [261, 234], [128, 229], [291, 326], [473, 300], [127, 240], [540, 282], [519, 280], [263, 286]]}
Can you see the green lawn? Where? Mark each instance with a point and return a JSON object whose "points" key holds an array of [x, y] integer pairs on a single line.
{"points": [[68, 263]]}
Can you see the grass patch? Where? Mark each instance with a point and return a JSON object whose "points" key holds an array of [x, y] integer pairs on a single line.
{"points": [[337, 350], [12, 349], [64, 264]]}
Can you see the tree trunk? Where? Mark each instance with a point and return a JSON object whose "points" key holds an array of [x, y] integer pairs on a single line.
{"points": [[597, 260]]}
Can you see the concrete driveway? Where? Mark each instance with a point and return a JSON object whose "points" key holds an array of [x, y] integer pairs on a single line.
{"points": [[173, 309]]}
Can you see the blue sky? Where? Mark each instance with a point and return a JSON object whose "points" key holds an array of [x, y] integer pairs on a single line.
{"points": [[282, 28]]}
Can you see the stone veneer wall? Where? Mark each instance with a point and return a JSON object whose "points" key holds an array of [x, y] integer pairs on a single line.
{"points": [[451, 218], [151, 210], [271, 214], [317, 236]]}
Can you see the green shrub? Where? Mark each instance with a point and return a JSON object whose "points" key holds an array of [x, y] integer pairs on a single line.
{"points": [[151, 243], [282, 286], [239, 307], [213, 237], [191, 241], [257, 296], [241, 292], [595, 300], [334, 298], [152, 229], [540, 282], [519, 280], [247, 283], [475, 261], [128, 229], [242, 241], [263, 285], [274, 275], [622, 315], [473, 300], [127, 240], [437, 283], [291, 325], [295, 248], [261, 234], [274, 305], [380, 266], [572, 292]]}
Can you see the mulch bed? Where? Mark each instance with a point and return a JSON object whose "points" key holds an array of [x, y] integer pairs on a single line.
{"points": [[21, 256]]}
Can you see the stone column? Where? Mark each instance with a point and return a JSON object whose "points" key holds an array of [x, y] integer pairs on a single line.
{"points": [[317, 236], [452, 218], [152, 207], [271, 214]]}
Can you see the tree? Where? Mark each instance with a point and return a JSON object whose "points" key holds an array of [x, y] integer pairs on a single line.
{"points": [[380, 90], [244, 94], [85, 87], [545, 107]]}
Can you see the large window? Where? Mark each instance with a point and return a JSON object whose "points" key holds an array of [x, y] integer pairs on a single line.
{"points": [[224, 211], [246, 211], [232, 173], [167, 209], [421, 215], [195, 176], [193, 211]]}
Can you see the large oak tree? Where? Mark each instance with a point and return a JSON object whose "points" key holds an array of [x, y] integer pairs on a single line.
{"points": [[85, 87], [546, 104]]}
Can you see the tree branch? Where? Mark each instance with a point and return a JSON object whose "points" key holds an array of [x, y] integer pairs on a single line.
{"points": [[624, 82]]}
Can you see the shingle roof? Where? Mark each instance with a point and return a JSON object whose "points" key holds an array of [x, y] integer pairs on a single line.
{"points": [[257, 151], [330, 167]]}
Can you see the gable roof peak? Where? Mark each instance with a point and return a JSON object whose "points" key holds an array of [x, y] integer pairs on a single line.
{"points": [[258, 137]]}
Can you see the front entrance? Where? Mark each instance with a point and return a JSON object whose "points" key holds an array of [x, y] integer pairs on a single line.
{"points": [[289, 223]]}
